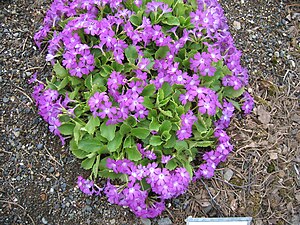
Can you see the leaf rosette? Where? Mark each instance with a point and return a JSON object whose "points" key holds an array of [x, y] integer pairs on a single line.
{"points": [[143, 91]]}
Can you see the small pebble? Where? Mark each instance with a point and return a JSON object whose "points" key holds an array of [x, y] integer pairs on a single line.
{"points": [[146, 221], [5, 100], [237, 25], [293, 64], [164, 221], [44, 221], [51, 170], [39, 146]]}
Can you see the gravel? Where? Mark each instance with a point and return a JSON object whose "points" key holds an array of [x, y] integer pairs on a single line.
{"points": [[38, 175]]}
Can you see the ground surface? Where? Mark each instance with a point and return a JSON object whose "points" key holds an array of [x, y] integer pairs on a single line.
{"points": [[261, 179]]}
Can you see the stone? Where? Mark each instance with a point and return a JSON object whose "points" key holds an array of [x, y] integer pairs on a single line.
{"points": [[146, 221], [164, 221], [44, 221], [5, 99], [237, 25]]}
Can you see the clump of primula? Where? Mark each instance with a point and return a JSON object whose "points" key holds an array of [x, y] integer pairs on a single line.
{"points": [[144, 91]]}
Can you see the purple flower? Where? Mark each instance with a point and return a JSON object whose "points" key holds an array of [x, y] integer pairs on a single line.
{"points": [[183, 134], [221, 135], [33, 79], [166, 158], [143, 63], [107, 110], [88, 187], [153, 6], [112, 193], [115, 80], [248, 104]]}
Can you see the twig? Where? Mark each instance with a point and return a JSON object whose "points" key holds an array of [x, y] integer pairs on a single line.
{"points": [[51, 157], [17, 89], [233, 185], [1, 150], [16, 204], [170, 213], [34, 68], [24, 43], [212, 198]]}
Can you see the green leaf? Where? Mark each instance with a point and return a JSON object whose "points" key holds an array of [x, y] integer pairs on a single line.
{"points": [[128, 67], [201, 127], [164, 101], [201, 144], [171, 142], [95, 169], [75, 81], [125, 129], [179, 110], [108, 174], [63, 83], [98, 63], [117, 67], [165, 136], [149, 90], [148, 103], [155, 140], [162, 52], [181, 145], [67, 128], [179, 9], [169, 2], [231, 93], [171, 20], [78, 153], [160, 95], [92, 124], [60, 71], [115, 143], [154, 125], [166, 87], [131, 121], [106, 70], [88, 163], [90, 145], [141, 133], [166, 112], [131, 54], [189, 168], [171, 165], [135, 20], [133, 154], [77, 132], [165, 126], [128, 142], [108, 131], [186, 62], [89, 81]]}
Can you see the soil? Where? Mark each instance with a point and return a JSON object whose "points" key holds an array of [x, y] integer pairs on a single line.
{"points": [[261, 179]]}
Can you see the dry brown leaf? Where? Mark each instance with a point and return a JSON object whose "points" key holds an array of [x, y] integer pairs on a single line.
{"points": [[205, 204], [273, 155], [298, 197], [43, 196], [228, 174], [234, 204], [263, 115], [298, 136], [289, 207]]}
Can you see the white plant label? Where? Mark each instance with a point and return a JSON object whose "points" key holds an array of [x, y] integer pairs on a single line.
{"points": [[219, 221]]}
